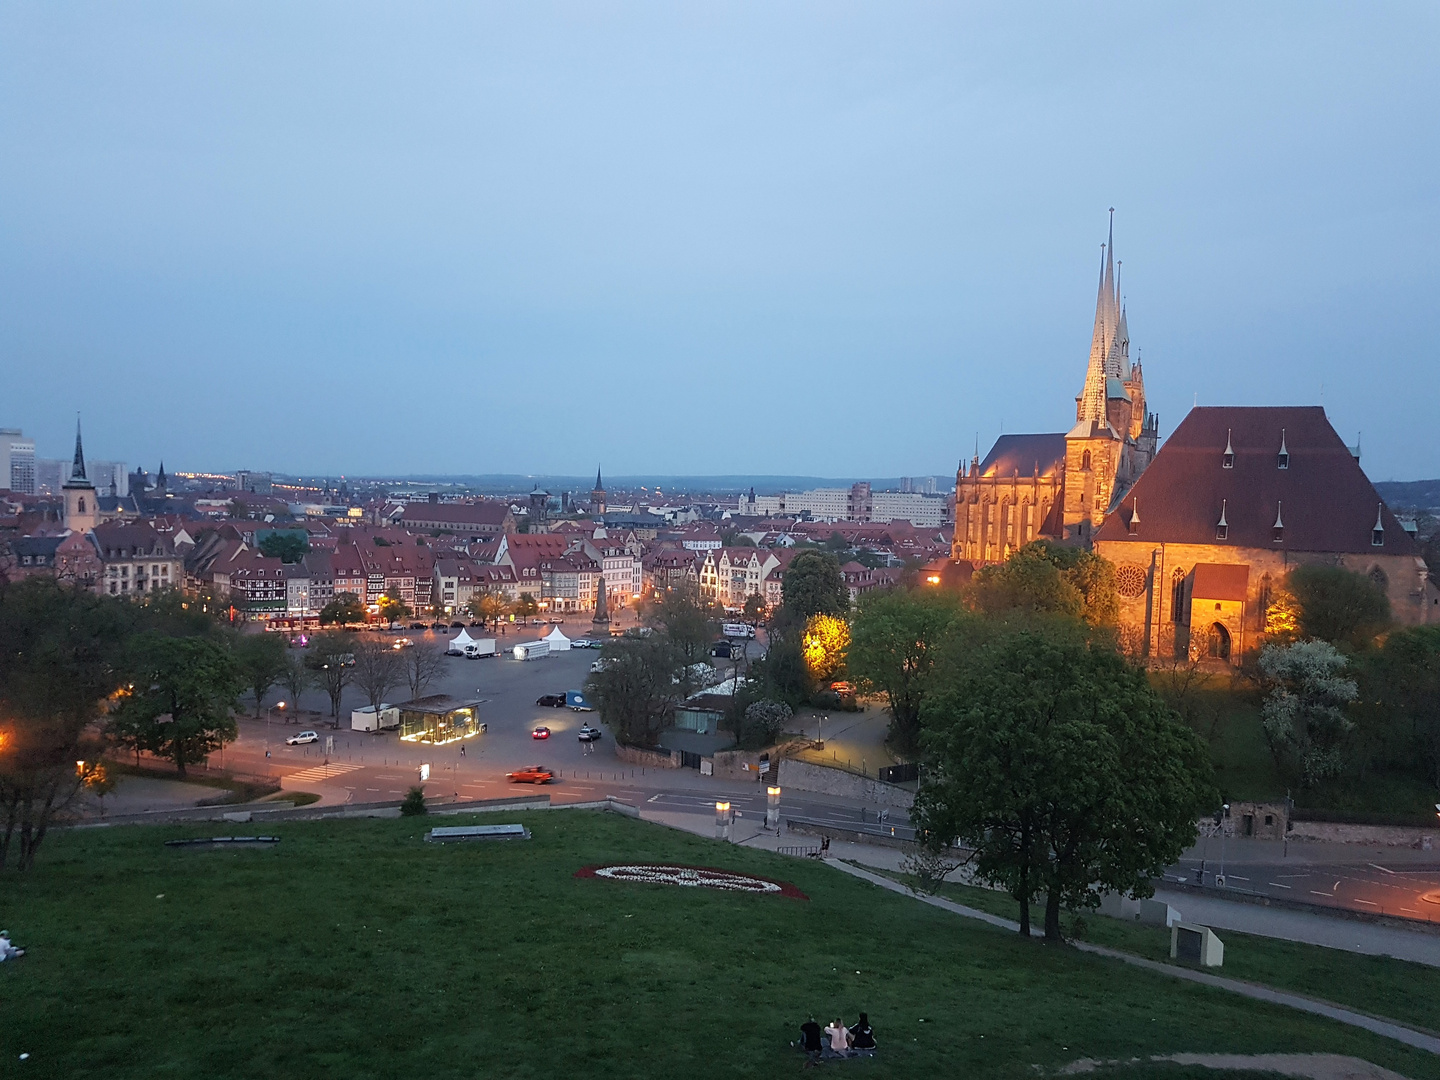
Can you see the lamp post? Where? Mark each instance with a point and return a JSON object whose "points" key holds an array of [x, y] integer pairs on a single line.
{"points": [[1220, 877], [772, 808], [722, 821]]}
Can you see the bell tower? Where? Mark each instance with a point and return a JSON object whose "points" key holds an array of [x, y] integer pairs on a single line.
{"points": [[597, 496], [81, 513]]}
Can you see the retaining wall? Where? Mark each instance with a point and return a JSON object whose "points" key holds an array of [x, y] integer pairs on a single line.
{"points": [[1381, 835], [650, 759], [731, 764], [803, 776]]}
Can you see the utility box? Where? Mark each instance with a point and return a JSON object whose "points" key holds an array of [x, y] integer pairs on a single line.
{"points": [[1196, 945], [364, 719]]}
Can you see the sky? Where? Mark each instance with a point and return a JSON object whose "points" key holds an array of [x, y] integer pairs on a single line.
{"points": [[831, 238]]}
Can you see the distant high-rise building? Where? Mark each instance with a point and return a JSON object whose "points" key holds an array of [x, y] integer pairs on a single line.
{"points": [[260, 483], [49, 475], [17, 461], [109, 477]]}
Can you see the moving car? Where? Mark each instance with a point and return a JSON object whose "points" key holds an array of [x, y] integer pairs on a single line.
{"points": [[590, 734], [402, 643], [551, 701], [302, 737], [541, 732], [535, 774]]}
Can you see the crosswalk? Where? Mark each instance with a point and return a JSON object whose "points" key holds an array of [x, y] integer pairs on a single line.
{"points": [[321, 773]]}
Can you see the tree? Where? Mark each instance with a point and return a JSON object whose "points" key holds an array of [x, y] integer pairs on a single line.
{"points": [[60, 662], [1402, 680], [1049, 578], [754, 608], [826, 640], [1338, 606], [261, 659], [836, 543], [178, 614], [813, 585], [781, 673], [487, 606], [345, 608], [894, 645], [295, 678], [289, 545], [1055, 762], [421, 663], [686, 617], [185, 690], [393, 607], [638, 686], [1304, 716], [763, 723], [378, 670], [238, 509], [525, 605], [332, 664]]}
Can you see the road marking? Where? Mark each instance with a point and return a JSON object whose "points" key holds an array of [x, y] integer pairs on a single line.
{"points": [[1335, 886], [1381, 868], [1277, 885], [1412, 910], [1237, 877], [321, 773], [1370, 902], [372, 789], [1330, 895], [652, 798]]}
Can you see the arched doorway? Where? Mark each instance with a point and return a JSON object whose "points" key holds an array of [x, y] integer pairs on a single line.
{"points": [[1219, 642]]}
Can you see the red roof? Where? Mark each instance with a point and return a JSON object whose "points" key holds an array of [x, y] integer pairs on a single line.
{"points": [[1322, 498]]}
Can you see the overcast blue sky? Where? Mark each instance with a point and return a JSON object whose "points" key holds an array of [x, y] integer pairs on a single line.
{"points": [[828, 238]]}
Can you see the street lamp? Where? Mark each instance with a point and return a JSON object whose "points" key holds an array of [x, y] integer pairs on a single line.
{"points": [[722, 821], [1220, 877], [772, 808]]}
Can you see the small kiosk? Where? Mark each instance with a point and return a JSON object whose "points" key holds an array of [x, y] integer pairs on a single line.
{"points": [[439, 719]]}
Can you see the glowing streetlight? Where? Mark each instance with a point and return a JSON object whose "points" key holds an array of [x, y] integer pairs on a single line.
{"points": [[772, 808], [723, 817]]}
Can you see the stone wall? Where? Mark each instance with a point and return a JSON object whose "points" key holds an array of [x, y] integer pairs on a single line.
{"points": [[651, 759], [803, 776], [738, 764], [1380, 835]]}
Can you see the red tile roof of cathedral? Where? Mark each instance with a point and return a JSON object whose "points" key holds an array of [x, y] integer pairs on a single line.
{"points": [[1024, 454], [1326, 501]]}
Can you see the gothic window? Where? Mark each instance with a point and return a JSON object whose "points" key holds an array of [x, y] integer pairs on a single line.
{"points": [[82, 504], [1378, 577], [1085, 460], [1177, 594]]}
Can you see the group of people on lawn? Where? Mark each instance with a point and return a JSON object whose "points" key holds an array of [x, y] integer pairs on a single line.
{"points": [[856, 1040]]}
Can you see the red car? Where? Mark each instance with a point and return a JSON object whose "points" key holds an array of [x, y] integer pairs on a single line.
{"points": [[541, 732], [535, 774]]}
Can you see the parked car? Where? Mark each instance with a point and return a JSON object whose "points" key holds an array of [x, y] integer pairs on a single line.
{"points": [[402, 643], [300, 738], [417, 626], [458, 625], [582, 643], [551, 701], [589, 734], [438, 626], [541, 732], [535, 774], [721, 649]]}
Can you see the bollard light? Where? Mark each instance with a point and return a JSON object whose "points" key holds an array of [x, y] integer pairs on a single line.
{"points": [[722, 821], [772, 807]]}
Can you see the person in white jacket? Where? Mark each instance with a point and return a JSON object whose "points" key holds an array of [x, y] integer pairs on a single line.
{"points": [[839, 1037]]}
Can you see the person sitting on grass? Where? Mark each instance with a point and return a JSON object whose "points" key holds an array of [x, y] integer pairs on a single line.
{"points": [[839, 1038], [862, 1036], [10, 952], [810, 1038]]}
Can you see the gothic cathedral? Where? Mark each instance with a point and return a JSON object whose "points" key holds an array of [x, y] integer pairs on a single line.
{"points": [[1061, 486]]}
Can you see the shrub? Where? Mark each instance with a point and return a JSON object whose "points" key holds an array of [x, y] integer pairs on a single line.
{"points": [[414, 804]]}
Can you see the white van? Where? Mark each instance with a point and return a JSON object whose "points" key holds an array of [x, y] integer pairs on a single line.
{"points": [[737, 629]]}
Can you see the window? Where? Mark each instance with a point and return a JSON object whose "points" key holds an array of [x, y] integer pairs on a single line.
{"points": [[1177, 594], [1222, 527], [1085, 460], [1282, 460], [1227, 461]]}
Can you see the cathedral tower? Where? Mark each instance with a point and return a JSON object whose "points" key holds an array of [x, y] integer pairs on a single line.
{"points": [[597, 496]]}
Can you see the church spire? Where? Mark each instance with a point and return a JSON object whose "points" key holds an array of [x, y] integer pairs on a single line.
{"points": [[598, 485], [1102, 339], [77, 467]]}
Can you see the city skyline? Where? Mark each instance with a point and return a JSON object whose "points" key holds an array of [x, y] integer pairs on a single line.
{"points": [[703, 239]]}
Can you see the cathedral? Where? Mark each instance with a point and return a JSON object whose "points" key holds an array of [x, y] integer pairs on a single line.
{"points": [[1060, 486]]}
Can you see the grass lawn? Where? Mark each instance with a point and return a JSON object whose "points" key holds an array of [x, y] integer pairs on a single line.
{"points": [[354, 949], [1378, 985]]}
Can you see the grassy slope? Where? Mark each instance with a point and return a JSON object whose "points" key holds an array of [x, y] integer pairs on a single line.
{"points": [[355, 949], [1377, 985]]}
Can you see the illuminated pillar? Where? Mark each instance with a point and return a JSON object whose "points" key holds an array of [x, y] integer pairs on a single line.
{"points": [[723, 817], [772, 808]]}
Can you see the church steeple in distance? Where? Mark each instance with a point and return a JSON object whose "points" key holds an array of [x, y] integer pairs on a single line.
{"points": [[77, 467], [597, 496]]}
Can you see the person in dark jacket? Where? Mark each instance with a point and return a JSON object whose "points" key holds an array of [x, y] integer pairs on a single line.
{"points": [[862, 1036], [810, 1040]]}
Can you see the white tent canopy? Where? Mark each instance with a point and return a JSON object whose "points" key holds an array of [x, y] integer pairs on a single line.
{"points": [[459, 641], [558, 641]]}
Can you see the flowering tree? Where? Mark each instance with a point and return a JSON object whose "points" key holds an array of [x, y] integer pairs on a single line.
{"points": [[1304, 716]]}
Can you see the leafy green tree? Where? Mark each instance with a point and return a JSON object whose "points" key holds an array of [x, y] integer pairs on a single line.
{"points": [[60, 660], [781, 673], [289, 546], [261, 659], [525, 605], [836, 543], [1054, 761], [179, 614], [1049, 578], [813, 585], [185, 690], [1305, 717], [894, 644], [687, 618], [754, 608], [1338, 605], [331, 662], [638, 686], [1401, 683], [488, 607], [393, 607], [295, 678], [345, 608]]}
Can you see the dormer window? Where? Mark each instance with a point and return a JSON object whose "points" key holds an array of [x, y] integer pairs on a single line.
{"points": [[1222, 527], [1278, 534], [1282, 460], [1135, 518], [1377, 534], [1228, 461]]}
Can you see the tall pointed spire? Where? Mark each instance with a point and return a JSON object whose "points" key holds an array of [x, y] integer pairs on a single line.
{"points": [[1102, 338], [77, 467], [598, 485]]}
